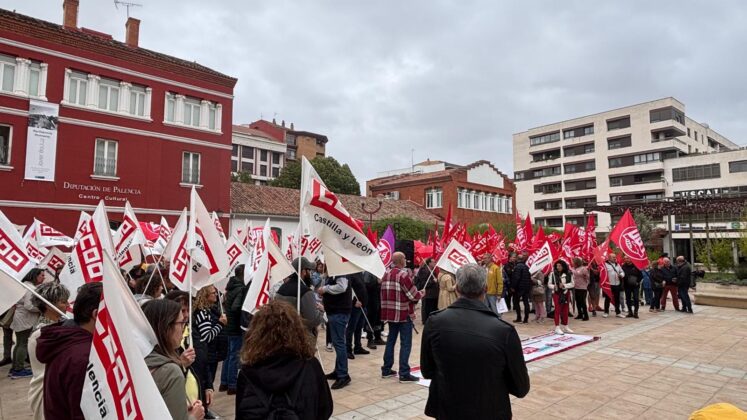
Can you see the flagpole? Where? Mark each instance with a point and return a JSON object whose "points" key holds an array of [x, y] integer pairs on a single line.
{"points": [[158, 263], [362, 311], [40, 297], [298, 286], [189, 284]]}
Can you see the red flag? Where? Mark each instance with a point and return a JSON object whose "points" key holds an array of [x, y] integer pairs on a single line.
{"points": [[538, 240], [528, 229], [447, 225], [590, 239], [570, 244], [625, 234], [500, 254], [600, 256], [521, 240]]}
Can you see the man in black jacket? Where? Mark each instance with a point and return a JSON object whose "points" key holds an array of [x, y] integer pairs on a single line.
{"points": [[631, 285], [684, 277], [357, 319], [456, 343], [233, 299], [521, 283], [429, 304], [337, 297], [373, 310]]}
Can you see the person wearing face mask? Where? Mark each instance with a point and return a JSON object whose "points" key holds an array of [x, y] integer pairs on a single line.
{"points": [[311, 312]]}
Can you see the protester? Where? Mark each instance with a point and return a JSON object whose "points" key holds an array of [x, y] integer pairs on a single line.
{"points": [[148, 288], [357, 317], [473, 358], [24, 320], [373, 310], [580, 287], [615, 275], [398, 299], [447, 289], [657, 284], [186, 357], [684, 277], [427, 280], [538, 296], [206, 327], [521, 282], [58, 295], [233, 300], [632, 286], [311, 313], [648, 293], [338, 303], [495, 282], [508, 287], [168, 322], [560, 283], [317, 276], [594, 288], [670, 284], [64, 349], [5, 320], [280, 377]]}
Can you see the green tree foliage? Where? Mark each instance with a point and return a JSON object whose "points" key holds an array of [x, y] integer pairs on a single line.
{"points": [[718, 255], [405, 228], [646, 227], [338, 178], [242, 177]]}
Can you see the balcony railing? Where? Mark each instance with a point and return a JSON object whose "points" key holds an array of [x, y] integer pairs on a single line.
{"points": [[105, 167]]}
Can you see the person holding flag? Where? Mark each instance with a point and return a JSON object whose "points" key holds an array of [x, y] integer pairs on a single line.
{"points": [[615, 274], [560, 284], [521, 280], [23, 321]]}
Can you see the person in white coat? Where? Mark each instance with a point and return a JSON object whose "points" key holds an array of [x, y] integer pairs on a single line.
{"points": [[561, 284]]}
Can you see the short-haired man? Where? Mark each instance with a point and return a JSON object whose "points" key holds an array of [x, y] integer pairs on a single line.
{"points": [[495, 282], [64, 349], [337, 297], [670, 284], [684, 276], [398, 299], [456, 344], [521, 282]]}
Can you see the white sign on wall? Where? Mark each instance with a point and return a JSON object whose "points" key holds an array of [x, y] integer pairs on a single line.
{"points": [[41, 141]]}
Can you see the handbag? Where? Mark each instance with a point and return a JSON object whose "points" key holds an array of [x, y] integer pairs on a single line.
{"points": [[538, 290], [7, 317]]}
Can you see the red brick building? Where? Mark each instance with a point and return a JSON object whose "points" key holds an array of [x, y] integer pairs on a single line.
{"points": [[478, 193], [300, 143], [132, 124]]}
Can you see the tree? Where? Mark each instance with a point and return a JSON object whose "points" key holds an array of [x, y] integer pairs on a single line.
{"points": [[338, 178], [242, 177], [646, 227], [719, 256], [405, 228]]}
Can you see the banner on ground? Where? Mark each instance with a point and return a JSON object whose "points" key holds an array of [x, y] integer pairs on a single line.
{"points": [[41, 141], [454, 257], [536, 348]]}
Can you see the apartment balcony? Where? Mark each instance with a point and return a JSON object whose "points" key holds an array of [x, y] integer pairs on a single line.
{"points": [[671, 143], [641, 167], [579, 175], [669, 125], [544, 162], [579, 158], [635, 187], [548, 213]]}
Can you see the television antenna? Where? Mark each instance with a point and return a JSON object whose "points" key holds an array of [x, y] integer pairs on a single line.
{"points": [[127, 5]]}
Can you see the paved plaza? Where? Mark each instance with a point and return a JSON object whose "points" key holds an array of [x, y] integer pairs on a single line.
{"points": [[662, 366]]}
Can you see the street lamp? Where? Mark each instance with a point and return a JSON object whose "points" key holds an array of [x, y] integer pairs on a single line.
{"points": [[370, 213]]}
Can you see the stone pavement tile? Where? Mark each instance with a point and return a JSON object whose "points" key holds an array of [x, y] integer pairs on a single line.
{"points": [[656, 414], [351, 415], [390, 404], [339, 408], [640, 398], [353, 400], [570, 408], [409, 398], [617, 410], [676, 406], [410, 411], [372, 410], [521, 412]]}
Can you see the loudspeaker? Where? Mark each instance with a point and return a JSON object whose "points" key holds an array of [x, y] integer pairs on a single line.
{"points": [[406, 247]]}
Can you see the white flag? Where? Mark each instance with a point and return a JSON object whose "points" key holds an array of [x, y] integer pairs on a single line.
{"points": [[236, 252], [33, 249], [338, 266], [15, 263], [218, 226], [327, 219], [48, 236], [82, 220], [118, 383], [541, 259], [178, 255], [129, 240], [54, 260], [205, 244], [268, 266], [164, 234], [311, 247], [454, 257], [85, 262]]}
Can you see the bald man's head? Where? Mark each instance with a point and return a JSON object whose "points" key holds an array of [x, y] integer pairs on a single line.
{"points": [[399, 259]]}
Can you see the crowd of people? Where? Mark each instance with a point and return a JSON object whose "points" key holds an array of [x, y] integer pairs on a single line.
{"points": [[268, 358]]}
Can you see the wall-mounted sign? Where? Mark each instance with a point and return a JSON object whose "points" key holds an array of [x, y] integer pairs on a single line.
{"points": [[41, 141], [103, 192]]}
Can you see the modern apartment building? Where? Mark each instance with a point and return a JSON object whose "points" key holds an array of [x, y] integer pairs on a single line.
{"points": [[257, 154], [614, 155], [299, 143]]}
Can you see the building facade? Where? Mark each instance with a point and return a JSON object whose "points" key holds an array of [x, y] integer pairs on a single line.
{"points": [[84, 117], [299, 143], [477, 193], [614, 155], [256, 154]]}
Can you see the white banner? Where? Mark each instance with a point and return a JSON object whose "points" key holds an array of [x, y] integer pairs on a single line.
{"points": [[33, 249], [236, 252], [128, 240], [455, 256], [41, 140], [205, 245], [267, 267], [541, 260], [48, 236], [53, 261], [176, 252], [548, 344]]}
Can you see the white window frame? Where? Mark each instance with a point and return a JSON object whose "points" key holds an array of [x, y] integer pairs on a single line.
{"points": [[7, 63], [137, 93], [191, 180], [78, 83], [434, 198], [107, 145], [170, 100], [34, 67], [212, 116], [7, 164], [108, 87], [192, 112]]}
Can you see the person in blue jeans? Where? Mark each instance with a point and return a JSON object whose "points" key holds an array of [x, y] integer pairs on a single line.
{"points": [[648, 292], [398, 298], [337, 297], [234, 298]]}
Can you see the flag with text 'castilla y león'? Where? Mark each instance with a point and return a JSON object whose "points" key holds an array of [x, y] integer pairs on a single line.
{"points": [[267, 267], [15, 263], [454, 257], [129, 240], [85, 262], [326, 218], [205, 245], [625, 234], [48, 236], [118, 384]]}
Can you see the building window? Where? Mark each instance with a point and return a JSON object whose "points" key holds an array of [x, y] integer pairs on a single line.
{"points": [[545, 138], [615, 162], [78, 89], [646, 158], [170, 107], [192, 112], [290, 139], [7, 72], [580, 167], [108, 94], [669, 113], [105, 159], [619, 142], [691, 173], [34, 79], [578, 132], [137, 101], [291, 154], [191, 168], [539, 173], [433, 198], [579, 150], [211, 116], [736, 166], [618, 123], [391, 195], [5, 132]]}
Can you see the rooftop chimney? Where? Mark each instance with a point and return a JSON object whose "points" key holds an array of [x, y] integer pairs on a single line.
{"points": [[292, 127], [283, 124], [273, 121], [132, 32], [70, 14]]}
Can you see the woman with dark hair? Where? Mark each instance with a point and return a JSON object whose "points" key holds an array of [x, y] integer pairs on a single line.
{"points": [[168, 323], [206, 327], [580, 284], [560, 283], [23, 321], [279, 373], [147, 289]]}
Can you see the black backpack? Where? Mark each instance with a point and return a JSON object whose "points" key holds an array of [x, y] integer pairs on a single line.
{"points": [[277, 406]]}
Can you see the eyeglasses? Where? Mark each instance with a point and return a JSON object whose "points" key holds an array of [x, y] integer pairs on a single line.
{"points": [[183, 324]]}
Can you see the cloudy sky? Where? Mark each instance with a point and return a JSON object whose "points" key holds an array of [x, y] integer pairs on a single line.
{"points": [[452, 80]]}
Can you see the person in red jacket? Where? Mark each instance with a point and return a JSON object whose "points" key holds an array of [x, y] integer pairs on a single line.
{"points": [[64, 349]]}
